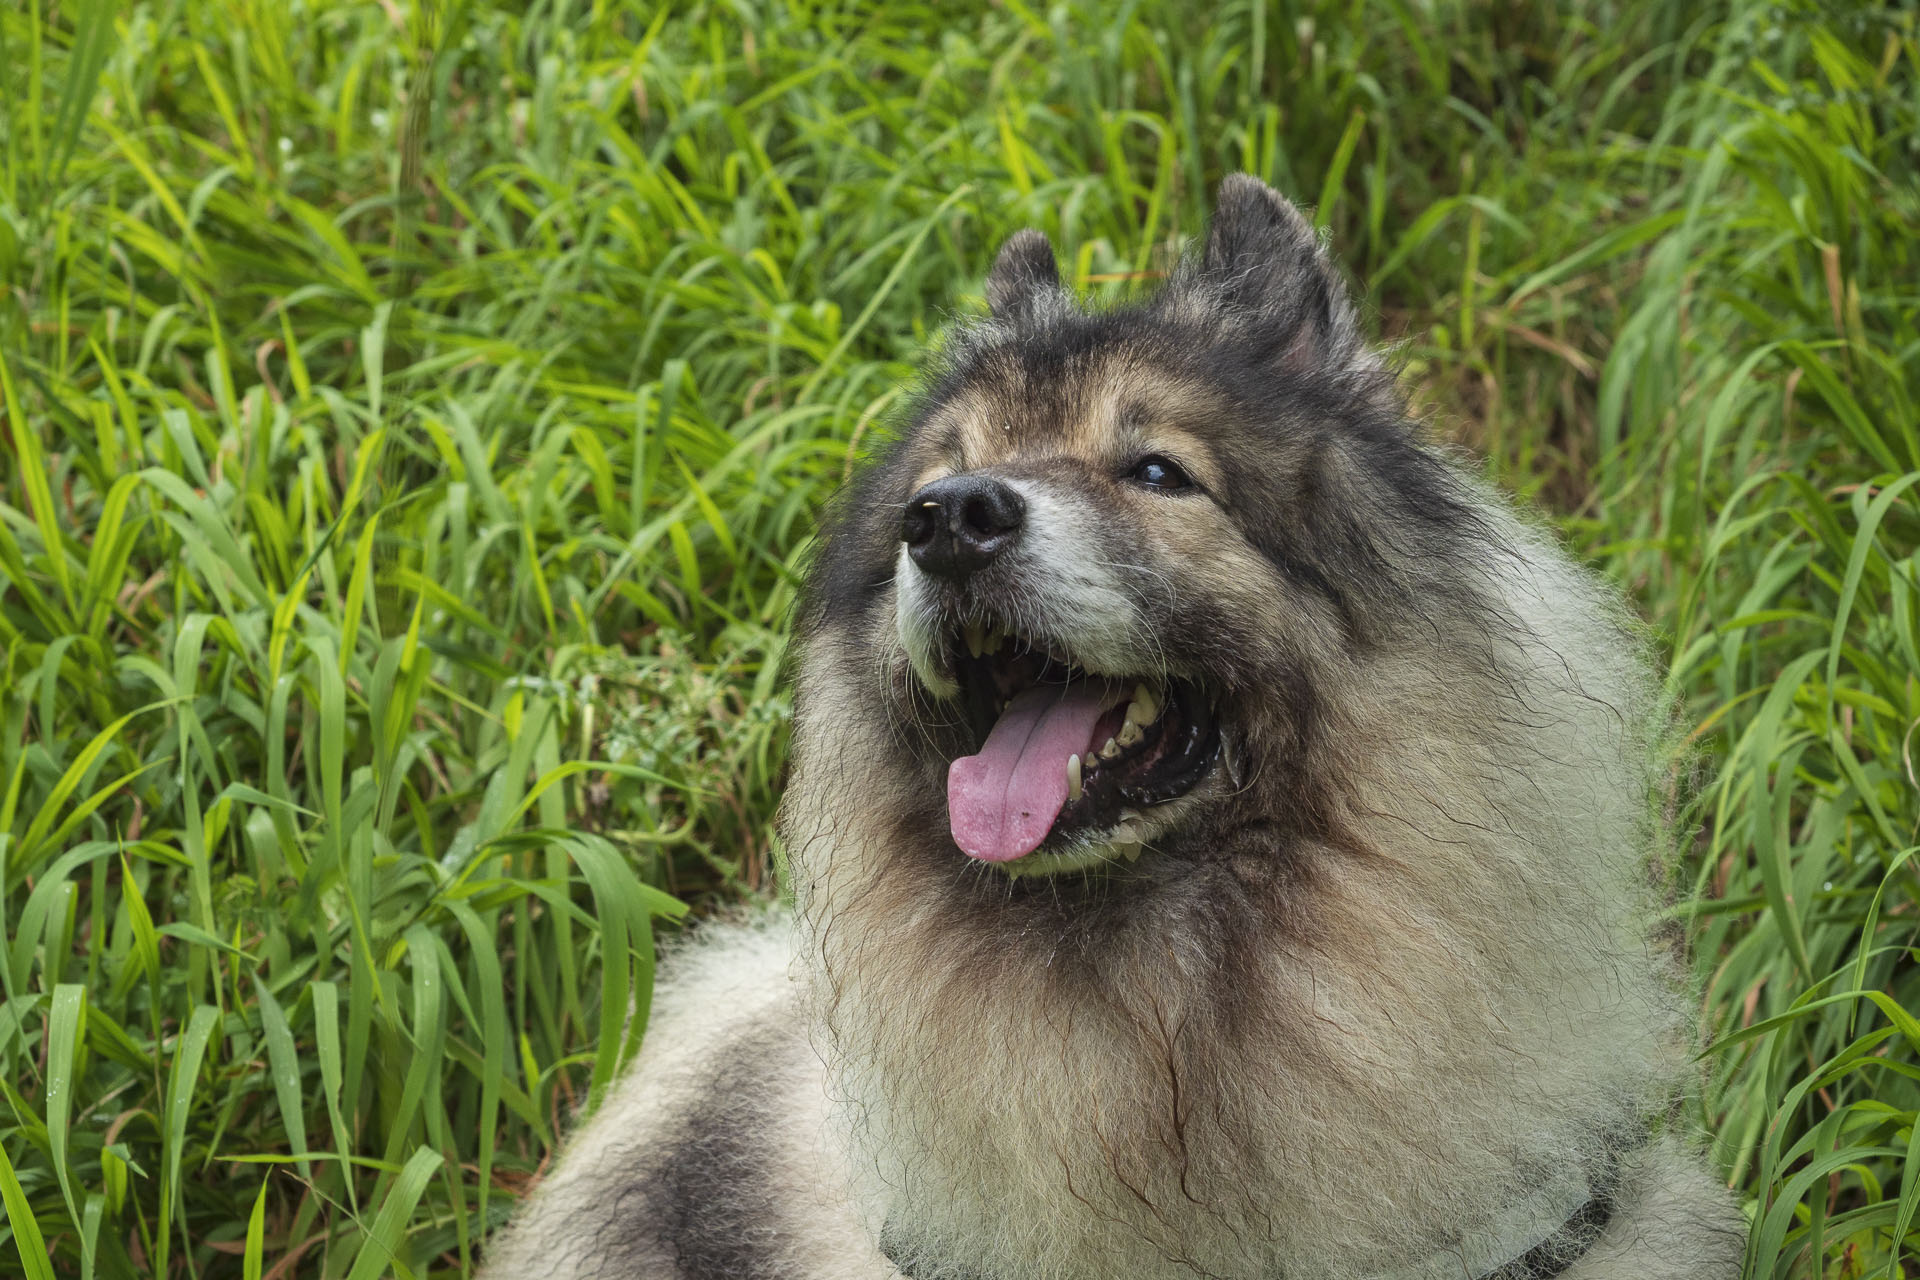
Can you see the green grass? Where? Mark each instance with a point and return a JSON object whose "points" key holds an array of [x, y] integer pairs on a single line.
{"points": [[415, 414]]}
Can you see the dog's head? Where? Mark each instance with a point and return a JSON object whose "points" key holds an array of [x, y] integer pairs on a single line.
{"points": [[1103, 575]]}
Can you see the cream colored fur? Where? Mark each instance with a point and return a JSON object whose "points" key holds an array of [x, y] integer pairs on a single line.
{"points": [[1459, 1019], [1463, 1018]]}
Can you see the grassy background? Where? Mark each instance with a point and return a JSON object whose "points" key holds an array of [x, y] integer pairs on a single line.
{"points": [[414, 415]]}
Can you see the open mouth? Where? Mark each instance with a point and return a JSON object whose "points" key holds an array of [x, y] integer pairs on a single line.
{"points": [[1068, 762]]}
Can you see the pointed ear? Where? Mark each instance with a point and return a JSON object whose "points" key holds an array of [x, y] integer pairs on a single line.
{"points": [[1023, 273], [1264, 263]]}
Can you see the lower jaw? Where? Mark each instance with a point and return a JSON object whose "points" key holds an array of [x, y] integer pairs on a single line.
{"points": [[1085, 855]]}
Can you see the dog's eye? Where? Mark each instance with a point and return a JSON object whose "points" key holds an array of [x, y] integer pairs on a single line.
{"points": [[1158, 473]]}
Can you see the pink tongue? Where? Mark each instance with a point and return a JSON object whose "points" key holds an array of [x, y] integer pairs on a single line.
{"points": [[1002, 802]]}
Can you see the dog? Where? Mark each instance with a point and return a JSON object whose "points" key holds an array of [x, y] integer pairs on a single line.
{"points": [[1224, 843]]}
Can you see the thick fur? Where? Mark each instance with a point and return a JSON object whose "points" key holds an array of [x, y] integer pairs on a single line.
{"points": [[712, 1157], [1379, 1000]]}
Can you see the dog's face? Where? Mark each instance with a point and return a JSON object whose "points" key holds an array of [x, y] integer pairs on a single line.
{"points": [[1102, 579]]}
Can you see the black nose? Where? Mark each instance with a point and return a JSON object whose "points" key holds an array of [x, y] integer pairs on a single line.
{"points": [[958, 525]]}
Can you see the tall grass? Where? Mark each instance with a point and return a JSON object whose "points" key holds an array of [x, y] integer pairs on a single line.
{"points": [[414, 416]]}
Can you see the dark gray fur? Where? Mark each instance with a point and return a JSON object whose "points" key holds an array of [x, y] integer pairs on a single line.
{"points": [[710, 1198]]}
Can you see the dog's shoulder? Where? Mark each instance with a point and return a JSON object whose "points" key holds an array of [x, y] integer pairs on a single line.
{"points": [[709, 1156]]}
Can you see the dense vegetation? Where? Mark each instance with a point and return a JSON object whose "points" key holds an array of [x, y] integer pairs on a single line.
{"points": [[414, 415]]}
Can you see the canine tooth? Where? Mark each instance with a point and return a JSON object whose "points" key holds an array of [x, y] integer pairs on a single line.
{"points": [[1073, 778], [975, 638], [1130, 733], [993, 641], [1144, 709], [1109, 750]]}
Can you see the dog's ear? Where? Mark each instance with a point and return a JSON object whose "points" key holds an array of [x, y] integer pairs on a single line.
{"points": [[1265, 263], [1023, 273]]}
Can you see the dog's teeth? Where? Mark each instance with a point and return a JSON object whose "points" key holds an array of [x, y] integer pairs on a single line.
{"points": [[1109, 750], [1144, 709], [1073, 778], [976, 637], [1130, 733], [995, 638]]}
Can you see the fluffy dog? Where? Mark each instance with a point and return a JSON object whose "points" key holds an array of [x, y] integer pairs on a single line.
{"points": [[1222, 835]]}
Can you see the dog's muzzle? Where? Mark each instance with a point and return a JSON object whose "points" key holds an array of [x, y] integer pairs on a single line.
{"points": [[1078, 730]]}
